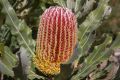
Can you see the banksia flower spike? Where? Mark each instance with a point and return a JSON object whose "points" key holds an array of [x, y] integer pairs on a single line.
{"points": [[56, 39]]}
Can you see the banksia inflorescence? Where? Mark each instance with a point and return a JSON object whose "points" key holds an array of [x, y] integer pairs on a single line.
{"points": [[56, 39]]}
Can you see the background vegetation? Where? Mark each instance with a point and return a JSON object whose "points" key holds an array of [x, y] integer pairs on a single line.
{"points": [[96, 57]]}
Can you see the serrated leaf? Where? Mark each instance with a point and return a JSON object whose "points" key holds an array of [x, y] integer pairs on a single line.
{"points": [[116, 43], [91, 23], [98, 50], [93, 59], [98, 74], [83, 7], [18, 28], [7, 62], [101, 53], [87, 44]]}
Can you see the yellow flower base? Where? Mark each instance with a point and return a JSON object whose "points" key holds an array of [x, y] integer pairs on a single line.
{"points": [[46, 66]]}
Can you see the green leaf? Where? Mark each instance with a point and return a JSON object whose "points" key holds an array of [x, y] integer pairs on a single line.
{"points": [[116, 43], [87, 44], [7, 62], [4, 34], [60, 2], [1, 49], [98, 51], [2, 17], [83, 7], [77, 5], [97, 74], [91, 23], [70, 4], [99, 54], [18, 27], [5, 70], [32, 75]]}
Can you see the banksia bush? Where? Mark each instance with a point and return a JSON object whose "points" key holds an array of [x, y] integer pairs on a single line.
{"points": [[70, 43], [56, 39]]}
